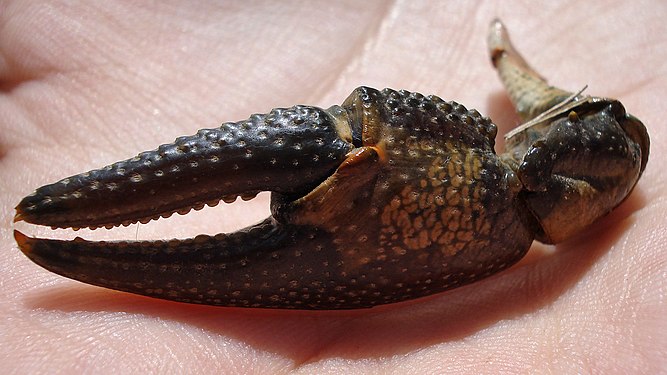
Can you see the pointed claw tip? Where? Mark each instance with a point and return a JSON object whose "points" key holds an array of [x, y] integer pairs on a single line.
{"points": [[497, 27], [498, 40], [23, 241]]}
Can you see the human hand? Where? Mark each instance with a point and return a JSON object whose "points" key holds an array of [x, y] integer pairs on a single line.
{"points": [[88, 84]]}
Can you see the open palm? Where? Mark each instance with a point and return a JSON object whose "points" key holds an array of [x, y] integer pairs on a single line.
{"points": [[86, 84]]}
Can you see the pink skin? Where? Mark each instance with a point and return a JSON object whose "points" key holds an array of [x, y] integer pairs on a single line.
{"points": [[85, 85]]}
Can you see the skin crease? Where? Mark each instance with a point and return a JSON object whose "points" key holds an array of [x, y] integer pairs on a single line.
{"points": [[87, 84]]}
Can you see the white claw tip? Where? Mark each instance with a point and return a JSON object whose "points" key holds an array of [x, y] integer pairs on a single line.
{"points": [[498, 39]]}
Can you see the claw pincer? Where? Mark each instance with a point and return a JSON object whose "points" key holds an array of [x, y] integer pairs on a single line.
{"points": [[388, 197], [286, 151]]}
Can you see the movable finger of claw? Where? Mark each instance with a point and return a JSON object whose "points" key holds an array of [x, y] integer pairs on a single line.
{"points": [[497, 40], [286, 151], [528, 90]]}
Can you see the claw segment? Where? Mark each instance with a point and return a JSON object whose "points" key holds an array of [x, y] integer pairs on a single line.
{"points": [[578, 157], [207, 269], [286, 151], [529, 92]]}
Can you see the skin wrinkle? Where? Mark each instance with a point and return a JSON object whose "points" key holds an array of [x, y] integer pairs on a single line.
{"points": [[353, 57], [382, 340], [369, 55]]}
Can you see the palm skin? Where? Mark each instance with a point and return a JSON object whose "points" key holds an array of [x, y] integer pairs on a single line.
{"points": [[87, 84]]}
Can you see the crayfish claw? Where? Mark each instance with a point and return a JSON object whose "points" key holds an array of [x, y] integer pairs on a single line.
{"points": [[392, 195]]}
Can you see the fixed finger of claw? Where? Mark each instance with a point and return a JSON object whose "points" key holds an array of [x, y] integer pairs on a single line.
{"points": [[238, 269]]}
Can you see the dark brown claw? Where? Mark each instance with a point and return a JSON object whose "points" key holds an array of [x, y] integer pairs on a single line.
{"points": [[391, 196], [287, 151]]}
